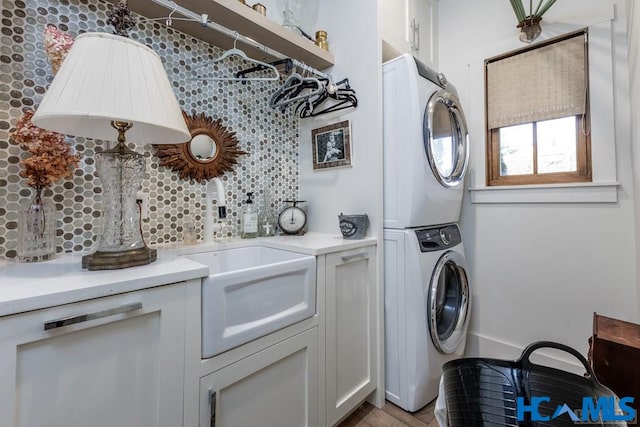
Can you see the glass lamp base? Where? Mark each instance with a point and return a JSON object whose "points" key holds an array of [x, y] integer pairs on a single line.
{"points": [[119, 259]]}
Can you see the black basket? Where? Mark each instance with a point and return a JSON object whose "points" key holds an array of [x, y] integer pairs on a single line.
{"points": [[482, 392]]}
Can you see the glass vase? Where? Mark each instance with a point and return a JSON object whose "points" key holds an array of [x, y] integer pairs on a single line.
{"points": [[37, 229], [299, 15]]}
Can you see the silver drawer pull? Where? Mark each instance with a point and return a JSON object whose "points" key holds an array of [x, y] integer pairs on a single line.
{"points": [[354, 256], [66, 321], [212, 405]]}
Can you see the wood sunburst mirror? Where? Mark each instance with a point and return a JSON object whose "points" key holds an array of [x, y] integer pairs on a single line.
{"points": [[212, 150]]}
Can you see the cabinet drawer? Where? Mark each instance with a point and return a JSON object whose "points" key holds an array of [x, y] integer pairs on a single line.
{"points": [[103, 362]]}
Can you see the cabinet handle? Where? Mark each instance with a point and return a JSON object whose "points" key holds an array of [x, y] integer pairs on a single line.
{"points": [[350, 257], [416, 32], [66, 321], [212, 404], [413, 33]]}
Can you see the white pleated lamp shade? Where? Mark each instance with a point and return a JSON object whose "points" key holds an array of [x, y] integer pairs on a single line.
{"points": [[107, 77]]}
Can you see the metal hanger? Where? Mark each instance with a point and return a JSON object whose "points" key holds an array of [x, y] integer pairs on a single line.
{"points": [[341, 96], [296, 88], [168, 20], [237, 52]]}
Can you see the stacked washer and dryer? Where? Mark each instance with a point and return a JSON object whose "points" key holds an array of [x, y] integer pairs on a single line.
{"points": [[427, 296]]}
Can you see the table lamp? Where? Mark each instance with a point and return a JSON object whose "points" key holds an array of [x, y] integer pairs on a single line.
{"points": [[107, 87]]}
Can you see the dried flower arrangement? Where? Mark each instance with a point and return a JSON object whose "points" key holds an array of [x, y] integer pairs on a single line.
{"points": [[51, 157], [56, 44]]}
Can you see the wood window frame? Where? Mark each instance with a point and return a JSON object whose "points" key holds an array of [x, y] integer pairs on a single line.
{"points": [[583, 161], [583, 172]]}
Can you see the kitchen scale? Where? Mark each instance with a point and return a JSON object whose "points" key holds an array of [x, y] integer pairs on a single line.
{"points": [[293, 219]]}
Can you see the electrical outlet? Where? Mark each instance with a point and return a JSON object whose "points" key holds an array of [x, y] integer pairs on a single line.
{"points": [[142, 198]]}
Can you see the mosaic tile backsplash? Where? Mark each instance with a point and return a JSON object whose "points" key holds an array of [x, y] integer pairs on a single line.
{"points": [[270, 137]]}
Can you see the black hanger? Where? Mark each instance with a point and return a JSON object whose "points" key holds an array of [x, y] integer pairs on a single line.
{"points": [[287, 62], [337, 96]]}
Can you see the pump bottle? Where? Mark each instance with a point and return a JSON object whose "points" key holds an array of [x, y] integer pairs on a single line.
{"points": [[249, 219]]}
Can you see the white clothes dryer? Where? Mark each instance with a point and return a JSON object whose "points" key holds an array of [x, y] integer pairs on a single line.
{"points": [[427, 310], [425, 146]]}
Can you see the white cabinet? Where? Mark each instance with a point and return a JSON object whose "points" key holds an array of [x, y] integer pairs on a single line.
{"points": [[117, 362], [350, 335], [275, 387], [410, 26]]}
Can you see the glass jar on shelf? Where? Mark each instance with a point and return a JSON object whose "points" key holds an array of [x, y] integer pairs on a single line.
{"points": [[299, 15]]}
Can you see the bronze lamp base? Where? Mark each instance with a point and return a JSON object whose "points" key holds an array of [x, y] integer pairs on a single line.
{"points": [[119, 259]]}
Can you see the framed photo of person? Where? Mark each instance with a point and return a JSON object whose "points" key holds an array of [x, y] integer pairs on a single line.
{"points": [[332, 146]]}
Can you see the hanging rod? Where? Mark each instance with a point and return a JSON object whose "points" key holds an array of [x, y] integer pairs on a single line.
{"points": [[203, 19], [310, 69], [289, 64]]}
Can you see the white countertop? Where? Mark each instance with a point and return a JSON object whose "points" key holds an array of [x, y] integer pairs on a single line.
{"points": [[33, 286], [309, 244]]}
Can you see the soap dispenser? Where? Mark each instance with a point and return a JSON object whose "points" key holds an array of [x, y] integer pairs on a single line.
{"points": [[249, 219]]}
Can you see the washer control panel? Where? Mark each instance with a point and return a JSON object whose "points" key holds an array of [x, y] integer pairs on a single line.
{"points": [[438, 238]]}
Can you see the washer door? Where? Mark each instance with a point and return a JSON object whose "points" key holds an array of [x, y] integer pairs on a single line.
{"points": [[448, 303], [446, 139]]}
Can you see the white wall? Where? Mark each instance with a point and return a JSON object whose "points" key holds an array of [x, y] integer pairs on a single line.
{"points": [[539, 271], [634, 74], [358, 189]]}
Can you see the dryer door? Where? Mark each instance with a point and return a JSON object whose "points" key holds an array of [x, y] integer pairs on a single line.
{"points": [[448, 302], [446, 139]]}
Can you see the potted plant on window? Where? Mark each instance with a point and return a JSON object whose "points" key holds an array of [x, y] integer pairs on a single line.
{"points": [[530, 24]]}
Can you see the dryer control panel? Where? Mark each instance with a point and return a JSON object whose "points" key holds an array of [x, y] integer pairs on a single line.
{"points": [[438, 238]]}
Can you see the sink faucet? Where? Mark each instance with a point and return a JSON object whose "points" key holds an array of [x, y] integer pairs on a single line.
{"points": [[222, 207]]}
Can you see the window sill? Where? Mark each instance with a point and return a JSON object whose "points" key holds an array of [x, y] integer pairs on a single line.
{"points": [[593, 192]]}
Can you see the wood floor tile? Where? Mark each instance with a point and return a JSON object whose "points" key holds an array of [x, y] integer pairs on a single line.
{"points": [[390, 415], [426, 414], [357, 417], [406, 417]]}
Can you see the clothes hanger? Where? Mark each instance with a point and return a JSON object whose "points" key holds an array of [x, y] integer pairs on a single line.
{"points": [[311, 111], [340, 97], [168, 20], [296, 88], [238, 52], [287, 62]]}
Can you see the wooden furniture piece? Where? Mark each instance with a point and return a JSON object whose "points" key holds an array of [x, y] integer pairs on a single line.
{"points": [[236, 16], [615, 356]]}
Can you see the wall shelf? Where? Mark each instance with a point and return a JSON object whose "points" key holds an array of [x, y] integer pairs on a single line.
{"points": [[236, 16]]}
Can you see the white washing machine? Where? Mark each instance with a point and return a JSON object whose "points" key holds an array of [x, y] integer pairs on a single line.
{"points": [[427, 310], [425, 146]]}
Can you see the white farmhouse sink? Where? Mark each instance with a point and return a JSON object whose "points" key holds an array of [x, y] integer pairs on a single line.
{"points": [[251, 292]]}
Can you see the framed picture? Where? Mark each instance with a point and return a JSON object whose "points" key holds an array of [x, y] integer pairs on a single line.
{"points": [[332, 146]]}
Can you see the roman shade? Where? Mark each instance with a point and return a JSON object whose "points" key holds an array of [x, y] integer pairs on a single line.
{"points": [[540, 83]]}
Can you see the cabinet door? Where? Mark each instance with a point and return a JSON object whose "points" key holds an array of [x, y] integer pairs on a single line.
{"points": [[410, 26], [425, 35], [120, 364], [350, 331], [396, 16], [275, 387]]}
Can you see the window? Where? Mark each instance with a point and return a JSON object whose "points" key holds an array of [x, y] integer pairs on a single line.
{"points": [[538, 129]]}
